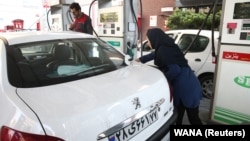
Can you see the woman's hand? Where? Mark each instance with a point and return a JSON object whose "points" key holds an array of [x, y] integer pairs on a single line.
{"points": [[137, 60]]}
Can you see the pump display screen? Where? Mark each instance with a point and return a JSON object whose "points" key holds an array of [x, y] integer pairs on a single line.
{"points": [[109, 17], [242, 10]]}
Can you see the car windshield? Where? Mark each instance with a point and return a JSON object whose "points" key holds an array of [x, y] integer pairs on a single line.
{"points": [[51, 62]]}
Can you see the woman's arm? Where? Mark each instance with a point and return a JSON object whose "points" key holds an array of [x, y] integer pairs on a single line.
{"points": [[146, 58]]}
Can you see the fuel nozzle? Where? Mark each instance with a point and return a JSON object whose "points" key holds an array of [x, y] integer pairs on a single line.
{"points": [[130, 51]]}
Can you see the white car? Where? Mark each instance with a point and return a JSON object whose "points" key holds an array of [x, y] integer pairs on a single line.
{"points": [[199, 55], [70, 86]]}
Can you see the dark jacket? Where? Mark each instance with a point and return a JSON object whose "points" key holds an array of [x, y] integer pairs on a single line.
{"points": [[83, 24], [171, 61]]}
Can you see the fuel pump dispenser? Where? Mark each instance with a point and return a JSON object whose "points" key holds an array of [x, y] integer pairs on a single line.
{"points": [[231, 100], [60, 15], [117, 24]]}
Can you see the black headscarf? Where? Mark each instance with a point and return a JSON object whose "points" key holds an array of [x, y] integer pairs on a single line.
{"points": [[158, 38], [166, 51]]}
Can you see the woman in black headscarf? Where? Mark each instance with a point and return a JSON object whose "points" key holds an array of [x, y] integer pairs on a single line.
{"points": [[171, 61]]}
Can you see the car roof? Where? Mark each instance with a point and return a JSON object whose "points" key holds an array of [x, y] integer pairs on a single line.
{"points": [[32, 36], [194, 31]]}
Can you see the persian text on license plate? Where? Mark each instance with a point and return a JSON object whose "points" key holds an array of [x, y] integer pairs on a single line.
{"points": [[135, 127]]}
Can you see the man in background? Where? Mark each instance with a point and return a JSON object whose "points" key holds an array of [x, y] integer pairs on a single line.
{"points": [[82, 22]]}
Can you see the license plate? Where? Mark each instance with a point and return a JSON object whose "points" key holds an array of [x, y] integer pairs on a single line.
{"points": [[135, 127]]}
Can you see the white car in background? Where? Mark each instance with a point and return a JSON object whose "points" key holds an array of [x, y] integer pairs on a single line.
{"points": [[68, 86], [199, 55]]}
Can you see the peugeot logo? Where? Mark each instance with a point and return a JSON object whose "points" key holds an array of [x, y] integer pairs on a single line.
{"points": [[137, 103]]}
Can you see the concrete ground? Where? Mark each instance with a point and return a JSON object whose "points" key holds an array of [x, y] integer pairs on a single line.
{"points": [[204, 111]]}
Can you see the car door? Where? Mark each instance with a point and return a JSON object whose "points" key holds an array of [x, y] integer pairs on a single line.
{"points": [[195, 49]]}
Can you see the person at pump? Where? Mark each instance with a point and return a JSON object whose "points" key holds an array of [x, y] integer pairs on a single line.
{"points": [[186, 87], [82, 22]]}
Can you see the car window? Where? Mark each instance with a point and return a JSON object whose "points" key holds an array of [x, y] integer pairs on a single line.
{"points": [[51, 62], [198, 45], [171, 35]]}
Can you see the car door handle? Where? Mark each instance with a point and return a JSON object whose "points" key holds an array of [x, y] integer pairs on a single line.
{"points": [[197, 60]]}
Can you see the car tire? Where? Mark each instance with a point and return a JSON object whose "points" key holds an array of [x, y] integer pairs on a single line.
{"points": [[207, 85]]}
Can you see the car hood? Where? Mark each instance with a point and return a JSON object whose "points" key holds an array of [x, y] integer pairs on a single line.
{"points": [[93, 105]]}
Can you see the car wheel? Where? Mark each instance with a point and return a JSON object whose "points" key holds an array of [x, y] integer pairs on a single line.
{"points": [[207, 85]]}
